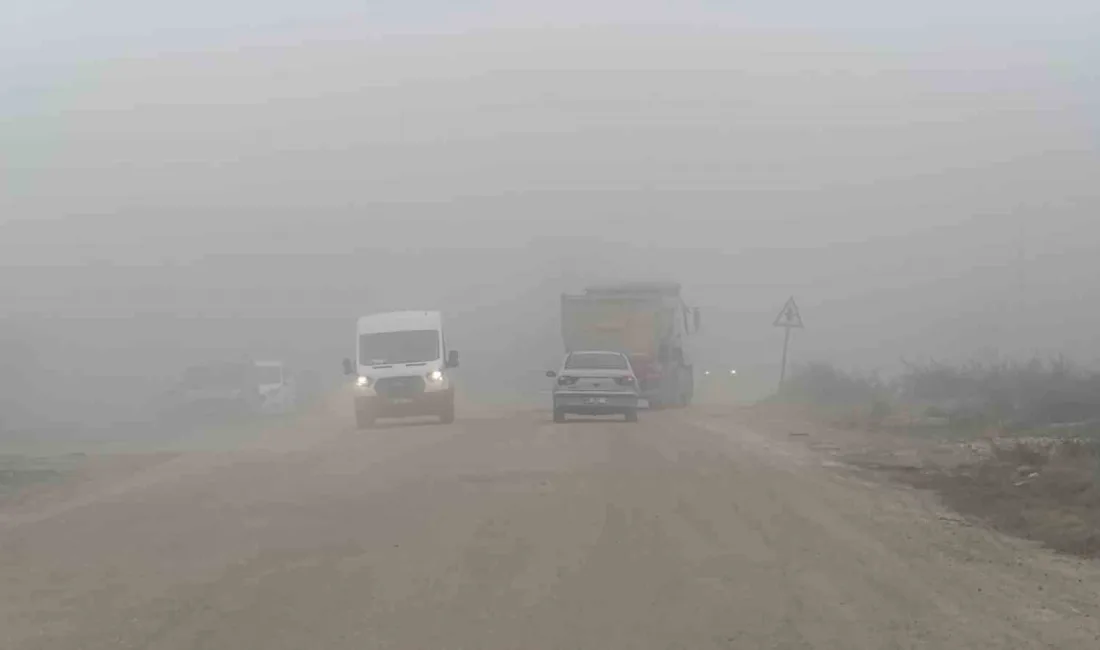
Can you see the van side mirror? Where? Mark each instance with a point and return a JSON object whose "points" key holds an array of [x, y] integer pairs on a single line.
{"points": [[452, 359], [551, 374], [697, 318], [349, 367]]}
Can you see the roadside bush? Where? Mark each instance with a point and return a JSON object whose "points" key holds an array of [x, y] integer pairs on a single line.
{"points": [[849, 399], [822, 383], [1005, 394], [976, 396]]}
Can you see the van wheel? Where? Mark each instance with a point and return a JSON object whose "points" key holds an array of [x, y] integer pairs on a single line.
{"points": [[448, 414], [364, 419], [559, 415]]}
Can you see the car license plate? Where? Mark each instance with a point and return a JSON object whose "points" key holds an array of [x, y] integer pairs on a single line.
{"points": [[596, 400]]}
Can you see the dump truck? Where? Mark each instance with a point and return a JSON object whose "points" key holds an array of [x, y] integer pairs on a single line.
{"points": [[647, 321]]}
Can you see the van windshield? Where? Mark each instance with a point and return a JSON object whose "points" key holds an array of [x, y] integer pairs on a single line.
{"points": [[411, 346]]}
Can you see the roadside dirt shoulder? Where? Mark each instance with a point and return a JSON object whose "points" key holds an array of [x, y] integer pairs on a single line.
{"points": [[1046, 489]]}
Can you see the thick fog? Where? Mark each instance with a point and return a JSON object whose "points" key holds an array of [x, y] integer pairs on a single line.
{"points": [[248, 179]]}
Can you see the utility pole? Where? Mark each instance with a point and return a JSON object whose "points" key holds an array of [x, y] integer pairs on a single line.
{"points": [[788, 319]]}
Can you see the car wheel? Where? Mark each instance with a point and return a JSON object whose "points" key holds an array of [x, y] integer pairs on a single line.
{"points": [[631, 416], [559, 415]]}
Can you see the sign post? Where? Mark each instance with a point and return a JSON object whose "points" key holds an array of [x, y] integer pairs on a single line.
{"points": [[788, 319]]}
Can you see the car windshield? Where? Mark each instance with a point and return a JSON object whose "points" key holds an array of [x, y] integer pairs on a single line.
{"points": [[596, 361], [269, 375], [410, 346]]}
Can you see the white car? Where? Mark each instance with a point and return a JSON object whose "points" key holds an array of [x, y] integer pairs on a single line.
{"points": [[595, 383], [402, 368]]}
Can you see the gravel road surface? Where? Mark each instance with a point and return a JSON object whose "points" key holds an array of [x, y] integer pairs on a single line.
{"points": [[505, 531]]}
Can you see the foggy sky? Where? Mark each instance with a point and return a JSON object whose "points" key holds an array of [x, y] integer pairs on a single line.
{"points": [[923, 179]]}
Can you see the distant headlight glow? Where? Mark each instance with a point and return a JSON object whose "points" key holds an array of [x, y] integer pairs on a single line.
{"points": [[362, 381]]}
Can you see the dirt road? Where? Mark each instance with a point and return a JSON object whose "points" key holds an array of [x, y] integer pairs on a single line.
{"points": [[506, 531]]}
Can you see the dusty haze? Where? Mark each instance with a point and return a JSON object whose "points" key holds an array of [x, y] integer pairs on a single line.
{"points": [[251, 178]]}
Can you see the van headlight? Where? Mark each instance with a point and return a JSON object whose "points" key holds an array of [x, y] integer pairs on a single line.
{"points": [[362, 382], [436, 376]]}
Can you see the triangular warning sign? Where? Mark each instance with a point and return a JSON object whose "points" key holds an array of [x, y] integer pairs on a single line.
{"points": [[789, 317]]}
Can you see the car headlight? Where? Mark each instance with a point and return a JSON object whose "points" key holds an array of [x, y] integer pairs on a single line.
{"points": [[362, 381], [435, 375]]}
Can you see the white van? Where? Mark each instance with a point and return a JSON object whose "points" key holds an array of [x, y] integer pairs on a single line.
{"points": [[402, 367]]}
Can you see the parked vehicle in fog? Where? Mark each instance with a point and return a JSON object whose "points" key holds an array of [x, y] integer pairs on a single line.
{"points": [[278, 391], [214, 391]]}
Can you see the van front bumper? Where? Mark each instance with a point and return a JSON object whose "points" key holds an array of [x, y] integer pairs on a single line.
{"points": [[426, 403]]}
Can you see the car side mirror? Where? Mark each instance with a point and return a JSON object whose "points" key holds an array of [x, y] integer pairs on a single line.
{"points": [[349, 367], [452, 359], [697, 318], [551, 374]]}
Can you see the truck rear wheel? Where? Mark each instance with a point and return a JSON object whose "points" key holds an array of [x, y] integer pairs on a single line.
{"points": [[689, 394]]}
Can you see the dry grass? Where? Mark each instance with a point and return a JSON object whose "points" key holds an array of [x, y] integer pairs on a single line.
{"points": [[1038, 421], [19, 472], [1045, 490], [971, 400]]}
